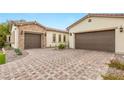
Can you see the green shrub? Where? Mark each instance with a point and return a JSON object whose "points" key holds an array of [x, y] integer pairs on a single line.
{"points": [[116, 64], [112, 77], [18, 51], [4, 31], [2, 58], [7, 47], [1, 43], [61, 46]]}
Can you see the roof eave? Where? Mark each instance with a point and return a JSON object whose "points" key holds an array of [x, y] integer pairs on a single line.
{"points": [[81, 19], [90, 15]]}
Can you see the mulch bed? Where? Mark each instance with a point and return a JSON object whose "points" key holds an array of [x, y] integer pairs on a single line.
{"points": [[117, 74]]}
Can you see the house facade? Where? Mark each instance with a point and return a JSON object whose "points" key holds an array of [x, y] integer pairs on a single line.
{"points": [[55, 37], [28, 35], [102, 32]]}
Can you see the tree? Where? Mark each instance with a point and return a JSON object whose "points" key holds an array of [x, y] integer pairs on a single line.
{"points": [[4, 31]]}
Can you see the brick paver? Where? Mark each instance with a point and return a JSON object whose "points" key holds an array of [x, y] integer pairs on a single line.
{"points": [[50, 64]]}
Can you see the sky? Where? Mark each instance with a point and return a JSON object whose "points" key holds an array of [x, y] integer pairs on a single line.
{"points": [[55, 20]]}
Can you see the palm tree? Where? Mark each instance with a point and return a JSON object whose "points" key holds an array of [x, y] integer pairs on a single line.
{"points": [[4, 31]]}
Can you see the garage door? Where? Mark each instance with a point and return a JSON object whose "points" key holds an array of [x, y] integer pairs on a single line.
{"points": [[102, 40], [32, 41]]}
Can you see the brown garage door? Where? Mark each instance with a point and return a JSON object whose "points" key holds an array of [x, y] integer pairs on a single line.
{"points": [[32, 40], [102, 40]]}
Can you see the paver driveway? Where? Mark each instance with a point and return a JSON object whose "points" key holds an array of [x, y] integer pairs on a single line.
{"points": [[57, 64]]}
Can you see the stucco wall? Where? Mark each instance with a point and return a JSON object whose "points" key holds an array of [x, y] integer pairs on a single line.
{"points": [[100, 23], [72, 40], [50, 42], [15, 37], [97, 23], [119, 45]]}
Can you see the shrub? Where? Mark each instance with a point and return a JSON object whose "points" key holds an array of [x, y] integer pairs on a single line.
{"points": [[4, 31], [116, 64], [18, 51], [7, 47], [2, 58], [1, 43], [112, 77], [61, 46]]}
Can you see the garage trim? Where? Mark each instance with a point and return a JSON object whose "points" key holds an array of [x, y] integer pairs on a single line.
{"points": [[97, 30]]}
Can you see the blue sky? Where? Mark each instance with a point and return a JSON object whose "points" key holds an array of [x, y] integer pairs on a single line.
{"points": [[56, 20]]}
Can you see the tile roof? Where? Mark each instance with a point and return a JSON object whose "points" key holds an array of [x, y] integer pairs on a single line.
{"points": [[107, 15], [56, 29], [23, 22]]}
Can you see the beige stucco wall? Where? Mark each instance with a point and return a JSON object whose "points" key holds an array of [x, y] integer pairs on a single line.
{"points": [[72, 40], [14, 37], [119, 41], [50, 42], [100, 23], [97, 23]]}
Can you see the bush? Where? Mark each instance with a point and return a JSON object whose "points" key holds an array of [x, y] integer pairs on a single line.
{"points": [[112, 77], [61, 46], [116, 64], [1, 44], [18, 51], [2, 58], [7, 47], [4, 31]]}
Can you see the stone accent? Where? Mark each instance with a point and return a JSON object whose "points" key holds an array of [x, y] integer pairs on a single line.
{"points": [[31, 28]]}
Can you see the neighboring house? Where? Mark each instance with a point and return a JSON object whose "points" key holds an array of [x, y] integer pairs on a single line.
{"points": [[26, 35], [98, 32]]}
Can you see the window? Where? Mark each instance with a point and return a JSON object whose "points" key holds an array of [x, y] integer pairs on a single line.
{"points": [[54, 38], [59, 38], [9, 38], [64, 38]]}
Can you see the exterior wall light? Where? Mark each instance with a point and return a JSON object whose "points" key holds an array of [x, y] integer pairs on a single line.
{"points": [[21, 32], [70, 34], [89, 20], [121, 29]]}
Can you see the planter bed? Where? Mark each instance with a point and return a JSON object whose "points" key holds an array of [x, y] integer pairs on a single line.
{"points": [[11, 55]]}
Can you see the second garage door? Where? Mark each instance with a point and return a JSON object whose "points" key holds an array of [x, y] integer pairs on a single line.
{"points": [[102, 40], [32, 41]]}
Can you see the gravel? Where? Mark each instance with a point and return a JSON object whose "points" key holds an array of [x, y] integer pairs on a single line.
{"points": [[11, 55]]}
